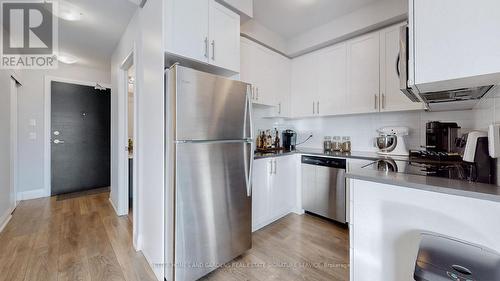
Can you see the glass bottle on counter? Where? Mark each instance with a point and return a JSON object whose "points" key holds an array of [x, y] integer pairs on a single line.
{"points": [[336, 144], [327, 144], [346, 144]]}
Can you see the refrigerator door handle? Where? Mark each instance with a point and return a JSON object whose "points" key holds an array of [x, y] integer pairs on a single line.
{"points": [[248, 167], [249, 138]]}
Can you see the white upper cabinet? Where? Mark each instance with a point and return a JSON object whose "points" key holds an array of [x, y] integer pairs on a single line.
{"points": [[187, 29], [304, 86], [224, 37], [332, 80], [457, 43], [269, 74], [203, 31], [363, 74], [357, 76], [391, 97]]}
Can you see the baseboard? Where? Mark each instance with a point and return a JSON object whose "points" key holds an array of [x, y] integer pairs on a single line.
{"points": [[31, 194], [5, 218], [157, 270]]}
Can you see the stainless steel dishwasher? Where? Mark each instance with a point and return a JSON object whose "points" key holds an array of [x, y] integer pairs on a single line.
{"points": [[324, 187]]}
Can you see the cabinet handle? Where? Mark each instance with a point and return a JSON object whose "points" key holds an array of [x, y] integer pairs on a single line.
{"points": [[279, 108], [317, 107], [274, 164], [376, 101], [314, 112], [206, 48], [213, 50], [253, 92], [383, 101], [257, 92]]}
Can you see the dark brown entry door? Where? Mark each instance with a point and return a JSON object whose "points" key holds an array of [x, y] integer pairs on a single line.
{"points": [[80, 137]]}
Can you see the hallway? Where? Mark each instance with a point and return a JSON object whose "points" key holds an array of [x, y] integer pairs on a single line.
{"points": [[73, 239]]}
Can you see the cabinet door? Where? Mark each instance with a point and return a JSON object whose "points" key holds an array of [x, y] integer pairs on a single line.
{"points": [[187, 29], [282, 82], [392, 99], [455, 39], [283, 188], [304, 86], [363, 74], [224, 37], [332, 80], [248, 65], [260, 192], [264, 75]]}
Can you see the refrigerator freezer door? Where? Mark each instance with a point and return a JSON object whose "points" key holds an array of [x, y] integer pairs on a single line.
{"points": [[213, 206], [210, 107]]}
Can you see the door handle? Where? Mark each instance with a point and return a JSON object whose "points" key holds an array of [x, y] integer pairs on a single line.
{"points": [[213, 50], [206, 48], [56, 141]]}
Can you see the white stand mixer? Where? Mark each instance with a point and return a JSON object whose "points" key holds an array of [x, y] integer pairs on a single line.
{"points": [[392, 142]]}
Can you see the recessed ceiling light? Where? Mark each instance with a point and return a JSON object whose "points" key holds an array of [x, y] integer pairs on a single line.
{"points": [[68, 11], [67, 59]]}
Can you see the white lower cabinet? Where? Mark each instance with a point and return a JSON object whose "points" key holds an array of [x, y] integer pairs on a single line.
{"points": [[273, 190]]}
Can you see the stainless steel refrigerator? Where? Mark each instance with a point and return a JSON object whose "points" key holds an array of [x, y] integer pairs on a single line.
{"points": [[210, 156]]}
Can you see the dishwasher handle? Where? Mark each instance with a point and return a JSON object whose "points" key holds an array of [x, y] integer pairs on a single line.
{"points": [[338, 163]]}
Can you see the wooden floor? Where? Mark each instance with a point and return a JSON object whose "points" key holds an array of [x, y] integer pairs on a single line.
{"points": [[293, 248], [73, 239], [83, 239]]}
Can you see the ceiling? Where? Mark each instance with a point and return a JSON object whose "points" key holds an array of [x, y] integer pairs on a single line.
{"points": [[290, 18], [93, 38]]}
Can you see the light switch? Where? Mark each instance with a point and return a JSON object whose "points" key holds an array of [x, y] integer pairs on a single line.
{"points": [[33, 122], [32, 136]]}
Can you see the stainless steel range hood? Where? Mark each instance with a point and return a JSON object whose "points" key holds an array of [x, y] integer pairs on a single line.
{"points": [[455, 99], [460, 99]]}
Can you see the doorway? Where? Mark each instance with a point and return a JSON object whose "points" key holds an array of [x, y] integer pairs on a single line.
{"points": [[14, 91], [80, 134], [130, 138]]}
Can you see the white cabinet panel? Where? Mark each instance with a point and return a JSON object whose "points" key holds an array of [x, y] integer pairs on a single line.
{"points": [[187, 28], [260, 192], [363, 74], [273, 190], [204, 32], [457, 43], [284, 188], [304, 86], [224, 34], [269, 74], [391, 97], [332, 80]]}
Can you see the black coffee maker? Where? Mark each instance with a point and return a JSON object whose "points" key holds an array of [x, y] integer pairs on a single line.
{"points": [[441, 136], [289, 138]]}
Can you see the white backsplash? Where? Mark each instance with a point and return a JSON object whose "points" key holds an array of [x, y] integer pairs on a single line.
{"points": [[363, 128]]}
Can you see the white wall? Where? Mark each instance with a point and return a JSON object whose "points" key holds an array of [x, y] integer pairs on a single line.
{"points": [[31, 107], [4, 147], [145, 31], [257, 31], [368, 18]]}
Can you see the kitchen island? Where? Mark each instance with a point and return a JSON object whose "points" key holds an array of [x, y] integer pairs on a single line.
{"points": [[389, 211]]}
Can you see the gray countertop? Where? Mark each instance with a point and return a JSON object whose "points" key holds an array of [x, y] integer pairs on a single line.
{"points": [[435, 184], [320, 152]]}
